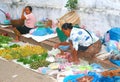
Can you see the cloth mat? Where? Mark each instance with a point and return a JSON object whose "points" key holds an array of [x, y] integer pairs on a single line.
{"points": [[40, 38]]}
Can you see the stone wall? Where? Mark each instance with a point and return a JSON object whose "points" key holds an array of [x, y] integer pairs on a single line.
{"points": [[96, 15]]}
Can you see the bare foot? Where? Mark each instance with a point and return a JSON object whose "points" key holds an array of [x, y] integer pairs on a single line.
{"points": [[74, 61], [15, 41], [77, 62], [70, 59]]}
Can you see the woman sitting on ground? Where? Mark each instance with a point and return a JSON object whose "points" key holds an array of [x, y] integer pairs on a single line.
{"points": [[80, 41], [29, 22]]}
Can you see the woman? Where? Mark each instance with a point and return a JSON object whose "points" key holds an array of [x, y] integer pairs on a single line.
{"points": [[80, 40], [29, 22]]}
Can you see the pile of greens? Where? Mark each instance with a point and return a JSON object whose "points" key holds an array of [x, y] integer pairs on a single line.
{"points": [[35, 60], [4, 40], [14, 46]]}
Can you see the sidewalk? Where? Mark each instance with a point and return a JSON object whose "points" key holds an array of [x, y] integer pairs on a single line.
{"points": [[11, 72]]}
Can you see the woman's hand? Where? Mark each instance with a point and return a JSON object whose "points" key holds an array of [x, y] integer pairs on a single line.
{"points": [[56, 46], [23, 10], [22, 16]]}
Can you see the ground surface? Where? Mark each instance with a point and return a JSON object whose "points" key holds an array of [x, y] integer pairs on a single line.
{"points": [[11, 72]]}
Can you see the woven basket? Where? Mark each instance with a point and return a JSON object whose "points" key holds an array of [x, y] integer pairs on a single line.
{"points": [[70, 17], [17, 22]]}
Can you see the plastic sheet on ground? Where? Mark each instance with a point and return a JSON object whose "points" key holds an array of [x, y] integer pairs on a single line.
{"points": [[40, 38]]}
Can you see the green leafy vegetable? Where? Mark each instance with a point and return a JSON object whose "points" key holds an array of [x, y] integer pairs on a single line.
{"points": [[14, 46], [35, 60], [5, 39]]}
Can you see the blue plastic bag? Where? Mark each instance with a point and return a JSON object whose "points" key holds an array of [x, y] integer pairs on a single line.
{"points": [[106, 79], [111, 45], [115, 33], [94, 75], [42, 31], [72, 78], [49, 30], [117, 62]]}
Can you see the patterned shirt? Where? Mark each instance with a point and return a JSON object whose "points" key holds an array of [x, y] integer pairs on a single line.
{"points": [[81, 37]]}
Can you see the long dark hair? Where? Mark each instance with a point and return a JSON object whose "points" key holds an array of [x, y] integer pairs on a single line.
{"points": [[30, 8], [66, 26]]}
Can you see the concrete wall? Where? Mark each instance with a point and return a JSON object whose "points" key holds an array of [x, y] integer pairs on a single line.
{"points": [[97, 15]]}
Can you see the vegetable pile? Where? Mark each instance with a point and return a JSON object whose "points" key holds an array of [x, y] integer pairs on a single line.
{"points": [[4, 40], [22, 51], [35, 61], [33, 55]]}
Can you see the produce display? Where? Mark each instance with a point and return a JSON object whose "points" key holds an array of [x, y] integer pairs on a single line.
{"points": [[35, 60], [14, 46], [33, 55], [4, 40], [22, 51], [37, 64]]}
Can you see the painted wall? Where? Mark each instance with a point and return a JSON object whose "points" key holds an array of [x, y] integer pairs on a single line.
{"points": [[97, 15]]}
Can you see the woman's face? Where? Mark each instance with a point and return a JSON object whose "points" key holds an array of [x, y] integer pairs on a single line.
{"points": [[67, 32], [27, 11]]}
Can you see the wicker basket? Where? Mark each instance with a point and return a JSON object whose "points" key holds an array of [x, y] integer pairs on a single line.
{"points": [[70, 17], [17, 22]]}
